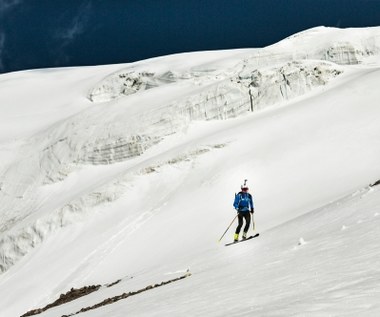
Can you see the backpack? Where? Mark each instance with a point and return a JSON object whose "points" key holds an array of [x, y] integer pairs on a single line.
{"points": [[243, 201]]}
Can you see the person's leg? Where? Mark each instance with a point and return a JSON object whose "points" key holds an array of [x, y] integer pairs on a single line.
{"points": [[238, 228], [247, 218]]}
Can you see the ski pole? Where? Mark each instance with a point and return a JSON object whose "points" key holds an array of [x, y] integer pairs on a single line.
{"points": [[253, 223], [228, 228]]}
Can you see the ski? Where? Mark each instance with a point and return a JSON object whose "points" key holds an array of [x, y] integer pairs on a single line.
{"points": [[249, 238]]}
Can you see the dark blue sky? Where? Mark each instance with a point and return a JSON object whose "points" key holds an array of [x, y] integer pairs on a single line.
{"points": [[51, 33]]}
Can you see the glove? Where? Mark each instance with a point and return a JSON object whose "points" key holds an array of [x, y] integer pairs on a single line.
{"points": [[252, 210]]}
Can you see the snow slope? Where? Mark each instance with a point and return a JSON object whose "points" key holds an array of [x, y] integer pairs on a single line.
{"points": [[128, 172]]}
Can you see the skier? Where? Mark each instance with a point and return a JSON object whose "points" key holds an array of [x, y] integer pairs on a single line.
{"points": [[244, 206]]}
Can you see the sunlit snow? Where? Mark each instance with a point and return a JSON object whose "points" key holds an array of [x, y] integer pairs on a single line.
{"points": [[127, 173]]}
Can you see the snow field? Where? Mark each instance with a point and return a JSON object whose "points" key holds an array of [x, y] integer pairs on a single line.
{"points": [[334, 273], [140, 181]]}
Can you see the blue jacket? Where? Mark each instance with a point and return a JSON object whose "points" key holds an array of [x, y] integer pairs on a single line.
{"points": [[243, 202]]}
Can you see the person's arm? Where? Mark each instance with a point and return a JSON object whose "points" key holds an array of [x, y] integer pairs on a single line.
{"points": [[251, 202], [236, 201]]}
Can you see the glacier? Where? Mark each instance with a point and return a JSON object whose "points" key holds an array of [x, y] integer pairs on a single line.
{"points": [[85, 145]]}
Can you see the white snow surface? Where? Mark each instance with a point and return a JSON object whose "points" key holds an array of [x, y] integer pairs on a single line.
{"points": [[128, 172]]}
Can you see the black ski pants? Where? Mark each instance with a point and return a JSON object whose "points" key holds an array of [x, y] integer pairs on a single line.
{"points": [[241, 217]]}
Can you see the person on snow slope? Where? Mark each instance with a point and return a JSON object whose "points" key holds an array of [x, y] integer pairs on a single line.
{"points": [[243, 204]]}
